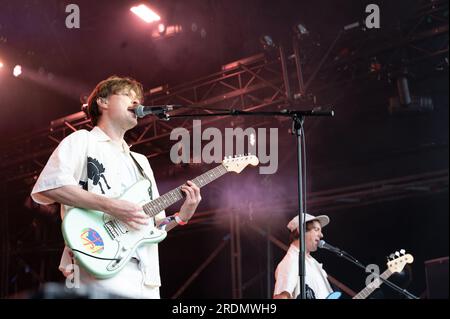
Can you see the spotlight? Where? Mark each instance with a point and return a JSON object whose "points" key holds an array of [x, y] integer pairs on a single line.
{"points": [[405, 102], [300, 30], [145, 13], [17, 70], [162, 28], [1, 64], [163, 31], [267, 42]]}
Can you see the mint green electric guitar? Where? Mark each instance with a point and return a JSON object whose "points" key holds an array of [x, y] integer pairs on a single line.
{"points": [[103, 245]]}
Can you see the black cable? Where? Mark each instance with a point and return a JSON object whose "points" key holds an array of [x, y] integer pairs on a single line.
{"points": [[82, 252]]}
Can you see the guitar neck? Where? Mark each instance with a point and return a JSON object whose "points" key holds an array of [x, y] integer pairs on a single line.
{"points": [[157, 205], [363, 294]]}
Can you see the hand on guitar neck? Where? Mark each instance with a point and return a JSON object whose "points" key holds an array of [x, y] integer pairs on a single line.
{"points": [[191, 193], [191, 202]]}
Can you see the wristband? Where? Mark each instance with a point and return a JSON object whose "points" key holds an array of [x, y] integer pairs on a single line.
{"points": [[179, 220]]}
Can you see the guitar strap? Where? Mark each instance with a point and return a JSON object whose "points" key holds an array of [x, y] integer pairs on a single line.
{"points": [[141, 170]]}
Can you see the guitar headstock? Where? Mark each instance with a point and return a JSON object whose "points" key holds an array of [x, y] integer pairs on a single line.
{"points": [[398, 260], [239, 162]]}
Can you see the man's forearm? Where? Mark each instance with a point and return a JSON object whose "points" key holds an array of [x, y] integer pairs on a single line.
{"points": [[75, 196], [167, 225], [171, 225]]}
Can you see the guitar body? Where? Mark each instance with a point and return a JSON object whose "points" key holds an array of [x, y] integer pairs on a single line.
{"points": [[103, 245], [93, 234], [334, 295]]}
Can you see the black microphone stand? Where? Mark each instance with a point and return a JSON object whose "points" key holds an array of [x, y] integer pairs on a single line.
{"points": [[297, 129], [352, 259]]}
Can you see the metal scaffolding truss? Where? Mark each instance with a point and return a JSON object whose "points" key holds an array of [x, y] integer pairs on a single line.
{"points": [[329, 200], [356, 55], [254, 85], [338, 199], [257, 82]]}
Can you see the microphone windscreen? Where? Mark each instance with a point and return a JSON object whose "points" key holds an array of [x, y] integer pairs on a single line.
{"points": [[322, 244]]}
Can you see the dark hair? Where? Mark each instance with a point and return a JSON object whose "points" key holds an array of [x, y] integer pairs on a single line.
{"points": [[294, 235], [112, 85]]}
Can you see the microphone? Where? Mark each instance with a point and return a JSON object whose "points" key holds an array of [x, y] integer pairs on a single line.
{"points": [[158, 110], [324, 245]]}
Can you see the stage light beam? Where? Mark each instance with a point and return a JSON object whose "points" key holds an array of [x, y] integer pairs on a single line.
{"points": [[145, 13]]}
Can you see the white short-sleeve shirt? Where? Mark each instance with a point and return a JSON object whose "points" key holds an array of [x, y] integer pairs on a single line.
{"points": [[287, 275], [92, 161]]}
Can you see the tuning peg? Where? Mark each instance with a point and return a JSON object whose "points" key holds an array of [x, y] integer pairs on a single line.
{"points": [[402, 251], [392, 256], [397, 254]]}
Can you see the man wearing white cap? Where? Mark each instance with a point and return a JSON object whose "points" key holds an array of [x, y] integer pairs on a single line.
{"points": [[287, 281]]}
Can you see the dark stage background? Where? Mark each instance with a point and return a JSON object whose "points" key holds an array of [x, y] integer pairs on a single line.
{"points": [[377, 168]]}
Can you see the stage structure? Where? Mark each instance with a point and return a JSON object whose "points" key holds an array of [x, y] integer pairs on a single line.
{"points": [[266, 81]]}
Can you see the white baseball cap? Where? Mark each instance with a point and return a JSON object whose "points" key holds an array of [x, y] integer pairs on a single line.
{"points": [[322, 219]]}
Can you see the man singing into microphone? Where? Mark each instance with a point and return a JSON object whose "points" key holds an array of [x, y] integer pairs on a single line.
{"points": [[91, 169], [287, 281]]}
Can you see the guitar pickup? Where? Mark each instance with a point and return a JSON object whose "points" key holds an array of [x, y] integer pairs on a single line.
{"points": [[111, 229], [122, 228]]}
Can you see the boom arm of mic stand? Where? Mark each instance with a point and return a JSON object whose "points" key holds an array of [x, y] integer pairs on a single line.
{"points": [[234, 112]]}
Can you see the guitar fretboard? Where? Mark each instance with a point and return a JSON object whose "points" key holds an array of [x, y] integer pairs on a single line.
{"points": [[171, 197], [363, 294]]}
